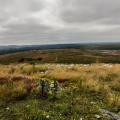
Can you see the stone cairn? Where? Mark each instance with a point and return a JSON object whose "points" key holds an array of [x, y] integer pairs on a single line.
{"points": [[48, 87]]}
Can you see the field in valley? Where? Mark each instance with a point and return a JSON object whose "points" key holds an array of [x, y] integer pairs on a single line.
{"points": [[69, 56], [58, 91]]}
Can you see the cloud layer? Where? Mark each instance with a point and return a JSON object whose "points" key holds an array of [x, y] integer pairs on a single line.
{"points": [[58, 21]]}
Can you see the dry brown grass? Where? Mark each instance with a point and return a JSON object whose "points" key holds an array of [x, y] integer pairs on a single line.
{"points": [[84, 87], [97, 77]]}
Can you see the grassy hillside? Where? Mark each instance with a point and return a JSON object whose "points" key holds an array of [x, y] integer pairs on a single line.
{"points": [[63, 56], [71, 92]]}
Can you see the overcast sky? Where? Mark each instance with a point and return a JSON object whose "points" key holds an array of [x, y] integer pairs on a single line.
{"points": [[59, 21]]}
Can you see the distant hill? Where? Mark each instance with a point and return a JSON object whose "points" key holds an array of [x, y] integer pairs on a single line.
{"points": [[98, 46]]}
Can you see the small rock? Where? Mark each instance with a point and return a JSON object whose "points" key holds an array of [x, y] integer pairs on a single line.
{"points": [[93, 103], [47, 116], [97, 116], [7, 108]]}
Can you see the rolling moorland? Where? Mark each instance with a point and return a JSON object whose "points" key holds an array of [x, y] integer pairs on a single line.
{"points": [[60, 83], [64, 53]]}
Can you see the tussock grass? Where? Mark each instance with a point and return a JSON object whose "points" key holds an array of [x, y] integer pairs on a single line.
{"points": [[83, 90]]}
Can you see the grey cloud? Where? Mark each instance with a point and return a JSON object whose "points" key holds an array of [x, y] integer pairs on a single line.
{"points": [[58, 21], [93, 10]]}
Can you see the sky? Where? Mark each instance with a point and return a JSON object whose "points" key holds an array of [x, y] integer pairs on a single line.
{"points": [[26, 22]]}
